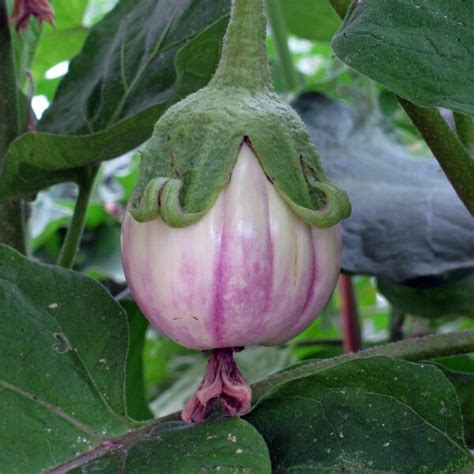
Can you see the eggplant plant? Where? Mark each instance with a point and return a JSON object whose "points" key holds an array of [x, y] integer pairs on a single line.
{"points": [[191, 141]]}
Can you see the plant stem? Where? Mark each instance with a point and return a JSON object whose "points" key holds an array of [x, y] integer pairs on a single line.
{"points": [[414, 350], [74, 233], [341, 7], [12, 229], [453, 157], [447, 148], [280, 35], [465, 130], [244, 59], [350, 318]]}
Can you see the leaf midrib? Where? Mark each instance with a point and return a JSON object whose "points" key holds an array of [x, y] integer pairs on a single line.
{"points": [[90, 380], [53, 410]]}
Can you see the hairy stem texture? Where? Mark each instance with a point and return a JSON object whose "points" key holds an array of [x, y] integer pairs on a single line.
{"points": [[244, 60]]}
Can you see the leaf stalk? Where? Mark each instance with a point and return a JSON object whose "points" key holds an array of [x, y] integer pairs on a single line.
{"points": [[244, 59], [414, 350], [76, 228]]}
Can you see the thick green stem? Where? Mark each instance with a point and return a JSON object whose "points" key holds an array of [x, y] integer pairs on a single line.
{"points": [[74, 233], [244, 59], [414, 350], [465, 130], [11, 213], [341, 7], [280, 36], [448, 149]]}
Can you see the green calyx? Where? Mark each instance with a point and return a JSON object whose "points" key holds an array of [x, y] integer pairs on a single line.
{"points": [[194, 147]]}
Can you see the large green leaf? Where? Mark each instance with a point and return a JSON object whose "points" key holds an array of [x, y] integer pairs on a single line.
{"points": [[407, 222], [137, 406], [432, 297], [368, 415], [460, 371], [227, 445], [140, 59], [316, 21], [117, 75], [422, 50], [63, 349]]}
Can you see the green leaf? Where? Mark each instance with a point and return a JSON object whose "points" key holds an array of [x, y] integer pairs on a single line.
{"points": [[367, 415], [227, 445], [315, 21], [63, 350], [407, 221], [460, 371], [422, 50], [137, 406], [443, 297], [117, 87], [117, 75], [63, 347]]}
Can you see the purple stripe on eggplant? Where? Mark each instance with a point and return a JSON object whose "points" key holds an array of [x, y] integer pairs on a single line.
{"points": [[249, 272]]}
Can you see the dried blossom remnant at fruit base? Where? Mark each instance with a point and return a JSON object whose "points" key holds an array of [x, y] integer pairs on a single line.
{"points": [[223, 383], [24, 9]]}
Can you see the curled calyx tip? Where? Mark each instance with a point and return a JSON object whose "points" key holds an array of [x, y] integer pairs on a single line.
{"points": [[162, 198], [335, 208], [222, 383]]}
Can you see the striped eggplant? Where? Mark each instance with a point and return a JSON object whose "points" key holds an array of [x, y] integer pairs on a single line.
{"points": [[231, 235]]}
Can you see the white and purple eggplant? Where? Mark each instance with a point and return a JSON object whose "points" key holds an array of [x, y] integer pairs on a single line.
{"points": [[231, 236]]}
